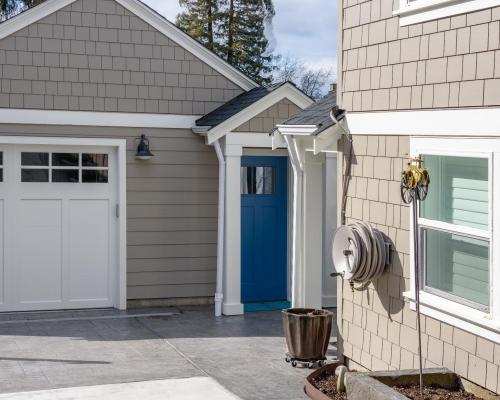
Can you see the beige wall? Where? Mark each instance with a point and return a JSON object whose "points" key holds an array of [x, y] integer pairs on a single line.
{"points": [[376, 325], [171, 206], [270, 117], [450, 62], [97, 56]]}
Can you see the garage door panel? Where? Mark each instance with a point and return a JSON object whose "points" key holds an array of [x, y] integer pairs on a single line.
{"points": [[90, 213], [2, 254], [89, 249], [63, 236], [42, 213]]}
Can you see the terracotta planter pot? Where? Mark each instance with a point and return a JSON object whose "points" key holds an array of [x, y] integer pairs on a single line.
{"points": [[310, 390], [307, 336]]}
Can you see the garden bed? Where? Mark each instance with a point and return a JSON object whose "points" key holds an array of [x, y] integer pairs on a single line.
{"points": [[434, 392]]}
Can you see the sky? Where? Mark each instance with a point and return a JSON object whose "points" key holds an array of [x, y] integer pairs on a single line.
{"points": [[306, 29]]}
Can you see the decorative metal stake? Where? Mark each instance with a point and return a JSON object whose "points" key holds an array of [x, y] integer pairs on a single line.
{"points": [[414, 187]]}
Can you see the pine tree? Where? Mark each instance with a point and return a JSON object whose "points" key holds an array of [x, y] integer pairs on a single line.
{"points": [[200, 21], [246, 43], [233, 29], [10, 8]]}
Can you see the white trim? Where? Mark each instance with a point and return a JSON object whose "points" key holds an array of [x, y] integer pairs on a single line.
{"points": [[121, 146], [152, 18], [287, 90], [445, 226], [90, 118], [463, 317], [265, 152], [485, 324], [250, 139], [300, 130], [31, 16], [421, 10], [479, 122], [326, 141]]}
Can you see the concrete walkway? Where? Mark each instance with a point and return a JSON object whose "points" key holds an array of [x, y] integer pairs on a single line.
{"points": [[245, 354], [186, 389]]}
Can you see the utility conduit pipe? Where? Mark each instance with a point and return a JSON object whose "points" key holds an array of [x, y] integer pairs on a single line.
{"points": [[297, 222], [220, 232]]}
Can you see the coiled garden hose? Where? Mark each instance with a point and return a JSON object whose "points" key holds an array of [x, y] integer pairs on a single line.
{"points": [[359, 253]]}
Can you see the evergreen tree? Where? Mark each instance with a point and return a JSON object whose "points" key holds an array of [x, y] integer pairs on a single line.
{"points": [[200, 21], [233, 29], [246, 43], [10, 8]]}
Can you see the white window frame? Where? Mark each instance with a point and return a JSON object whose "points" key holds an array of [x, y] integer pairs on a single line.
{"points": [[476, 321], [427, 10]]}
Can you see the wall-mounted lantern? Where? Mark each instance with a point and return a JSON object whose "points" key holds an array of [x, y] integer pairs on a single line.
{"points": [[143, 152]]}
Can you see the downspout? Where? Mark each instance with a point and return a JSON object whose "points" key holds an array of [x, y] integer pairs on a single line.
{"points": [[220, 232], [297, 221]]}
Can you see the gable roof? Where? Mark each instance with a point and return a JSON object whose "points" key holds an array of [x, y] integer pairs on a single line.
{"points": [[234, 106], [148, 15], [316, 114]]}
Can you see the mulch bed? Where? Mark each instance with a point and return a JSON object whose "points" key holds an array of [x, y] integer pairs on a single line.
{"points": [[433, 393], [327, 383]]}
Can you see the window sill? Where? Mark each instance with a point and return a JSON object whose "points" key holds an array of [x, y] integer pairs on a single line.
{"points": [[458, 315], [422, 11]]}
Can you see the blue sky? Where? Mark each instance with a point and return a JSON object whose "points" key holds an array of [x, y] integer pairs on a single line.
{"points": [[305, 28]]}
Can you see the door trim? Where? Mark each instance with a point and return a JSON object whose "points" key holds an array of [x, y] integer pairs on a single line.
{"points": [[120, 300]]}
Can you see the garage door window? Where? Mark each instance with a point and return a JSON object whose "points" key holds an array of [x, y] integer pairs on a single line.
{"points": [[64, 167]]}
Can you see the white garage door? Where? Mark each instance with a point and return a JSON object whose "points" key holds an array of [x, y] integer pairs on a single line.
{"points": [[57, 227]]}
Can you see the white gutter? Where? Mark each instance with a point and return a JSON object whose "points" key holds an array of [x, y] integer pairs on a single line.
{"points": [[297, 221], [220, 232], [302, 130]]}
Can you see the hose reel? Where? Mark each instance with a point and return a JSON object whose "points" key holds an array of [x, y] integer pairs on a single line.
{"points": [[360, 254]]}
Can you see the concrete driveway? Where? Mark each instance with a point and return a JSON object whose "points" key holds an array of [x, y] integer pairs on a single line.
{"points": [[245, 354]]}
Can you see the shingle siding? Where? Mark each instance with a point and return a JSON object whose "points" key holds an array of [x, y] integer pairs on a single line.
{"points": [[417, 60], [377, 328], [87, 38]]}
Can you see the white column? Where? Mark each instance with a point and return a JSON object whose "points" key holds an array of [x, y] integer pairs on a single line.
{"points": [[329, 228], [312, 256], [231, 304]]}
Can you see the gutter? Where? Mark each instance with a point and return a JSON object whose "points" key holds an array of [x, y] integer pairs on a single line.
{"points": [[220, 229]]}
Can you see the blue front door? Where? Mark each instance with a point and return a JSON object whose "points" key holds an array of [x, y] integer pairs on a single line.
{"points": [[264, 182]]}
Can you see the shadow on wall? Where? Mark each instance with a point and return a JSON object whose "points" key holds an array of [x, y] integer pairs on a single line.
{"points": [[377, 295]]}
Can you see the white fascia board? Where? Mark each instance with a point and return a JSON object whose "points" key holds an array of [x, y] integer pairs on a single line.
{"points": [[299, 130], [466, 122], [91, 118], [421, 11], [249, 139], [197, 49], [31, 16], [200, 130], [288, 91], [277, 139], [326, 141]]}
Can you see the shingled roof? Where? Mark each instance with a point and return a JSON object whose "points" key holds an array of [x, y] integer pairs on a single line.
{"points": [[317, 113], [239, 103]]}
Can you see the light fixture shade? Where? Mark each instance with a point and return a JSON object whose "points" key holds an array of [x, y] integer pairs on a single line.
{"points": [[143, 152]]}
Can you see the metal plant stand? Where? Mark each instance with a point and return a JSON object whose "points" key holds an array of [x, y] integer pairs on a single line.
{"points": [[414, 188]]}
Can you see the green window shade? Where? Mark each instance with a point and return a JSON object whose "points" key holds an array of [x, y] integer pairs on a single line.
{"points": [[459, 191], [458, 265]]}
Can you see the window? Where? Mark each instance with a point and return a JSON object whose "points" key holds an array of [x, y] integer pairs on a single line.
{"points": [[416, 11], [458, 230], [454, 230], [258, 180], [64, 167]]}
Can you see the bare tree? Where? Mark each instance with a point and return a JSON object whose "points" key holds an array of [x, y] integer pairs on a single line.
{"points": [[310, 80]]}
